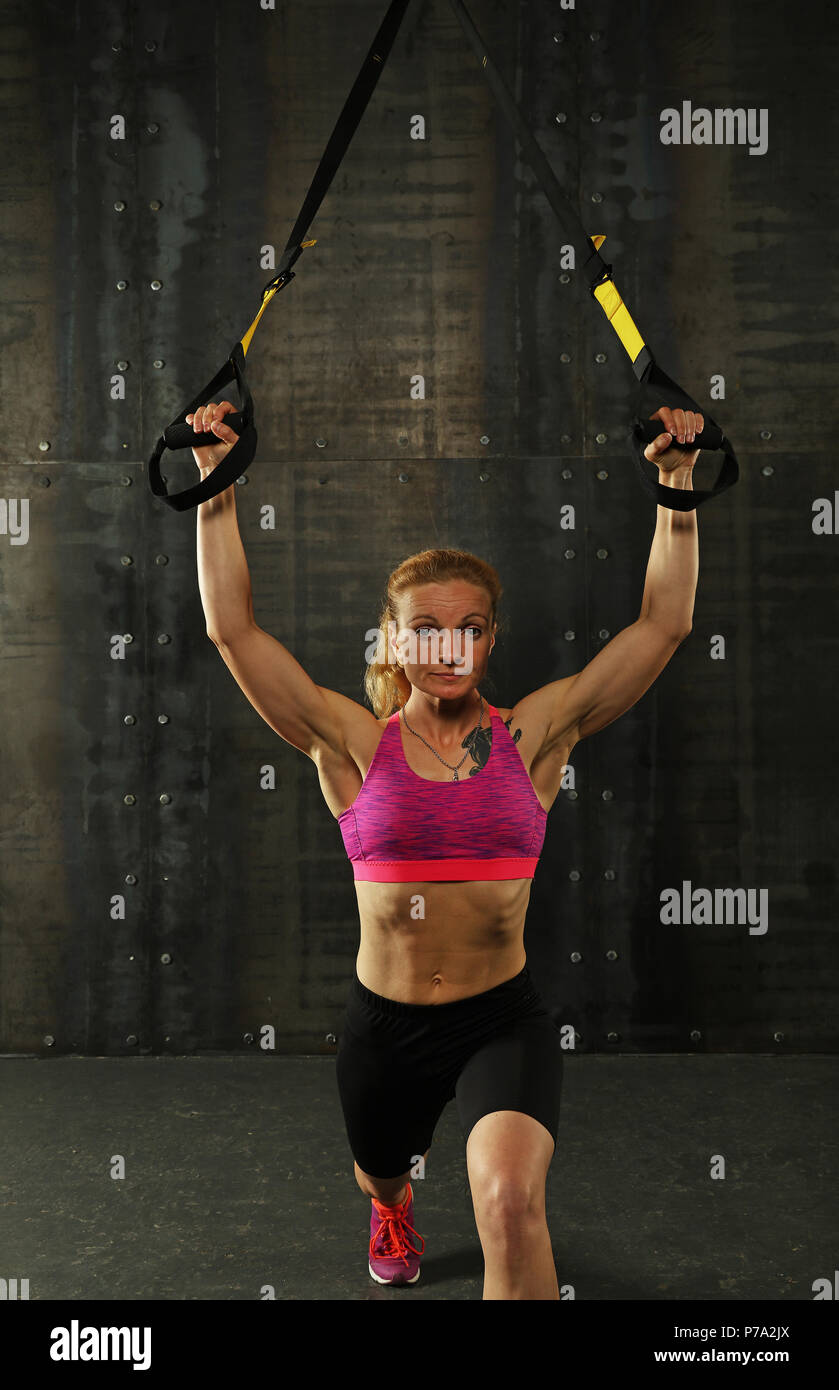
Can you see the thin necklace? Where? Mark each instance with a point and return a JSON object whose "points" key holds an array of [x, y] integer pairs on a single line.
{"points": [[451, 766]]}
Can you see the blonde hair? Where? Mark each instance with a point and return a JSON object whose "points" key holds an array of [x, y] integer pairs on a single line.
{"points": [[386, 684]]}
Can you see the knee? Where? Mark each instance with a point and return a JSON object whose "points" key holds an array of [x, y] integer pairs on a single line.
{"points": [[507, 1203]]}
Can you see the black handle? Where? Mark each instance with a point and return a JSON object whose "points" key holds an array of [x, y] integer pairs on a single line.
{"points": [[182, 436], [657, 389], [709, 437]]}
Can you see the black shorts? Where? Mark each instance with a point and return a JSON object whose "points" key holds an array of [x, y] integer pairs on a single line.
{"points": [[399, 1064]]}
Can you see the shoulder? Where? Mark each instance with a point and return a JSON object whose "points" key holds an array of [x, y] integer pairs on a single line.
{"points": [[536, 720]]}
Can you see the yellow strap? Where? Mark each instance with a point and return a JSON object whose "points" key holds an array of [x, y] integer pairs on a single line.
{"points": [[246, 340], [617, 312]]}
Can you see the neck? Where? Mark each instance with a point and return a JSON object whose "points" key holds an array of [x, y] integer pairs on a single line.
{"points": [[448, 716]]}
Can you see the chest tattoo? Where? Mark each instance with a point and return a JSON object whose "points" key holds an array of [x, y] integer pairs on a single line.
{"points": [[479, 743]]}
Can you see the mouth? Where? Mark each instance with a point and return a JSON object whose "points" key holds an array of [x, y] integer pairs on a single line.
{"points": [[448, 675]]}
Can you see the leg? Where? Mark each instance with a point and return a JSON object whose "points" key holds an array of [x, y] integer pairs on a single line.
{"points": [[508, 1155], [389, 1191]]}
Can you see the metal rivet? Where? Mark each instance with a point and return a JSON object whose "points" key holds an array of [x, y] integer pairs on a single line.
{"points": [[767, 470], [611, 955], [128, 637], [321, 443], [116, 47], [126, 560], [603, 634], [163, 638], [597, 197], [602, 554], [129, 719], [573, 794], [156, 285], [607, 795], [595, 117], [559, 38], [331, 1039], [122, 366], [126, 481], [158, 364], [601, 357], [613, 1037], [403, 477], [248, 1038], [122, 284], [164, 798], [778, 1037], [129, 800], [44, 446], [161, 559], [766, 434], [155, 205], [565, 439], [575, 957], [695, 1035], [484, 438], [163, 719], [119, 207], [49, 1040], [166, 959], [131, 878], [564, 278], [609, 874], [566, 474], [602, 474], [564, 358], [243, 481], [131, 1040], [561, 118], [569, 636], [594, 35], [484, 477], [570, 554], [151, 46], [575, 875], [152, 128], [601, 438]]}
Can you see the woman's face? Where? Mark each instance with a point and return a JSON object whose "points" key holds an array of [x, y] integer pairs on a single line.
{"points": [[443, 631]]}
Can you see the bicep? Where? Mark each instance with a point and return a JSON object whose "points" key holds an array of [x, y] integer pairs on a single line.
{"points": [[304, 714], [616, 678]]}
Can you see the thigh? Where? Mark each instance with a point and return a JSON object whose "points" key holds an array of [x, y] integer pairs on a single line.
{"points": [[391, 1107], [519, 1069]]}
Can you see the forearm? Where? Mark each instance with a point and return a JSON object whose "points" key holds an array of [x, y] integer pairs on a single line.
{"points": [[673, 567], [224, 580]]}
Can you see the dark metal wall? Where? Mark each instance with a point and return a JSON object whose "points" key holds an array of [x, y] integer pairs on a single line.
{"points": [[436, 257]]}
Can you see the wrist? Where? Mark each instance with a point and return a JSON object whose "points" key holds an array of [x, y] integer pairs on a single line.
{"points": [[679, 477]]}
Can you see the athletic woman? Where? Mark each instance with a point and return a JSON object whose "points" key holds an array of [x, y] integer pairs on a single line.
{"points": [[441, 799]]}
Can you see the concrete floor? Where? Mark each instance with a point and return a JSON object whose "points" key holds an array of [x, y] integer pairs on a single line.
{"points": [[238, 1175]]}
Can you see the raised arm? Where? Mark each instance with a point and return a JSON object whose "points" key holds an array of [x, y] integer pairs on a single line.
{"points": [[307, 716], [613, 681]]}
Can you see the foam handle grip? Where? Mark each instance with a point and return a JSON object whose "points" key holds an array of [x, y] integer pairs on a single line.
{"points": [[708, 438], [182, 436]]}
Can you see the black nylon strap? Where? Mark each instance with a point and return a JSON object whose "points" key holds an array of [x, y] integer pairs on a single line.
{"points": [[179, 435], [596, 270]]}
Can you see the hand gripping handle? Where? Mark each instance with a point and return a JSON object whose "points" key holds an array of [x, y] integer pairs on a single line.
{"points": [[658, 389], [180, 435]]}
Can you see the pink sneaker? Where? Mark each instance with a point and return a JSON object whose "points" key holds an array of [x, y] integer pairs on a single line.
{"points": [[393, 1259]]}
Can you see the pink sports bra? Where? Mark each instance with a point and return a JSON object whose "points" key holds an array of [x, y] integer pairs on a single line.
{"points": [[403, 828]]}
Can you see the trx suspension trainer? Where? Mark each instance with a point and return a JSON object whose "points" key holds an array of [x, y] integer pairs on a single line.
{"points": [[655, 386]]}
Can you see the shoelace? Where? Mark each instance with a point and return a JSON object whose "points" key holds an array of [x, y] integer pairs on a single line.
{"points": [[393, 1242]]}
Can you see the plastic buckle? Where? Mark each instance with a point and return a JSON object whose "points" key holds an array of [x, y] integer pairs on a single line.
{"points": [[278, 281]]}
